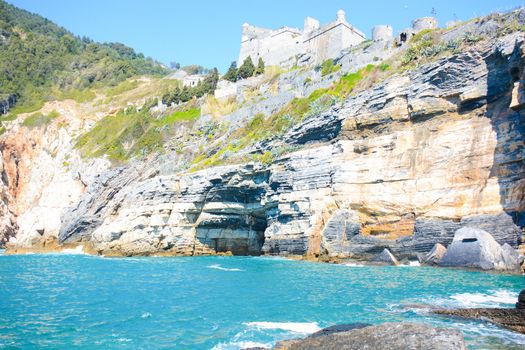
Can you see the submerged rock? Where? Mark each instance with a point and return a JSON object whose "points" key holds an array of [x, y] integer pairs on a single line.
{"points": [[521, 300], [388, 336], [386, 257], [476, 248]]}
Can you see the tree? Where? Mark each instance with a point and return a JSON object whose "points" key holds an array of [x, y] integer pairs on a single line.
{"points": [[260, 67], [194, 69], [231, 74], [211, 80], [247, 69], [174, 65]]}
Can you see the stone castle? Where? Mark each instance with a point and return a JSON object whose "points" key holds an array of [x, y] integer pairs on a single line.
{"points": [[315, 43], [276, 47]]}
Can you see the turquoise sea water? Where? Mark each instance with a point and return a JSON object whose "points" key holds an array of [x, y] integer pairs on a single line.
{"points": [[62, 301]]}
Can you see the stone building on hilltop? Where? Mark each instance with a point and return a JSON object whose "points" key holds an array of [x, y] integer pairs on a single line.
{"points": [[285, 46]]}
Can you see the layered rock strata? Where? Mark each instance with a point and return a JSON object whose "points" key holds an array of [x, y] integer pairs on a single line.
{"points": [[402, 165]]}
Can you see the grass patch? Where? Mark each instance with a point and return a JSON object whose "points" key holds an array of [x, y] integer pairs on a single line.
{"points": [[218, 108], [113, 135], [38, 120], [80, 96], [185, 115], [130, 133], [28, 107], [122, 87]]}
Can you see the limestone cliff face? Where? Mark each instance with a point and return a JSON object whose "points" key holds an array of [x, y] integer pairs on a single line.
{"points": [[42, 175], [402, 165]]}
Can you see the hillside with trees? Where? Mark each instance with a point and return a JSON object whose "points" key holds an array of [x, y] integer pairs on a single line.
{"points": [[39, 60]]}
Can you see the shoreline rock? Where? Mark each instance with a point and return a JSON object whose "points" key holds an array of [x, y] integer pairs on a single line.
{"points": [[513, 319], [387, 336]]}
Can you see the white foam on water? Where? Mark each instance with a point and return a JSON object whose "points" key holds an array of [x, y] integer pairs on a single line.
{"points": [[493, 298], [496, 298], [77, 250], [219, 267], [354, 265], [296, 327], [146, 315], [241, 345], [479, 332]]}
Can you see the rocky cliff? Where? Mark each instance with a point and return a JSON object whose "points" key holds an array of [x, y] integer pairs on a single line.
{"points": [[402, 164]]}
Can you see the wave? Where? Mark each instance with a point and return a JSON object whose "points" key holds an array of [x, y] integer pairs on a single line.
{"points": [[296, 327], [241, 345], [354, 265], [219, 267], [73, 251], [495, 298]]}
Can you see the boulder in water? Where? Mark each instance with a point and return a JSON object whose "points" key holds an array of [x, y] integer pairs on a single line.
{"points": [[386, 257], [472, 247], [434, 256], [521, 300]]}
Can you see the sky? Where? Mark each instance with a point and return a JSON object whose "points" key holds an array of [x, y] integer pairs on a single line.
{"points": [[208, 32]]}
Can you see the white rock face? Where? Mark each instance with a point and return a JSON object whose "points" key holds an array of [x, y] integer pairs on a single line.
{"points": [[477, 248], [47, 176]]}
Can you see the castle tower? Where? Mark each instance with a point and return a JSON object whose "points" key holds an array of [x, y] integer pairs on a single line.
{"points": [[311, 24], [382, 33], [245, 32], [341, 16], [424, 23]]}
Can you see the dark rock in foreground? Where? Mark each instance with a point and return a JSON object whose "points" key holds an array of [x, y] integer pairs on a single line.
{"points": [[388, 336], [521, 300], [513, 319], [338, 328]]}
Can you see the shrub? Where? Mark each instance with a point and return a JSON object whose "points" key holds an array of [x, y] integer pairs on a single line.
{"points": [[328, 67]]}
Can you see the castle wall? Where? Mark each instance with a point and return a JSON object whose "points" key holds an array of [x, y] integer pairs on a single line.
{"points": [[274, 48], [278, 47], [330, 40]]}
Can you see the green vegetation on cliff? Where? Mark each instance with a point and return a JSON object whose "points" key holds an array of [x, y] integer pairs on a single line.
{"points": [[131, 133], [37, 58]]}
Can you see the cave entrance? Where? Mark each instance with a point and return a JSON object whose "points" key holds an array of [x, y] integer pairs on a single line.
{"points": [[239, 234]]}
